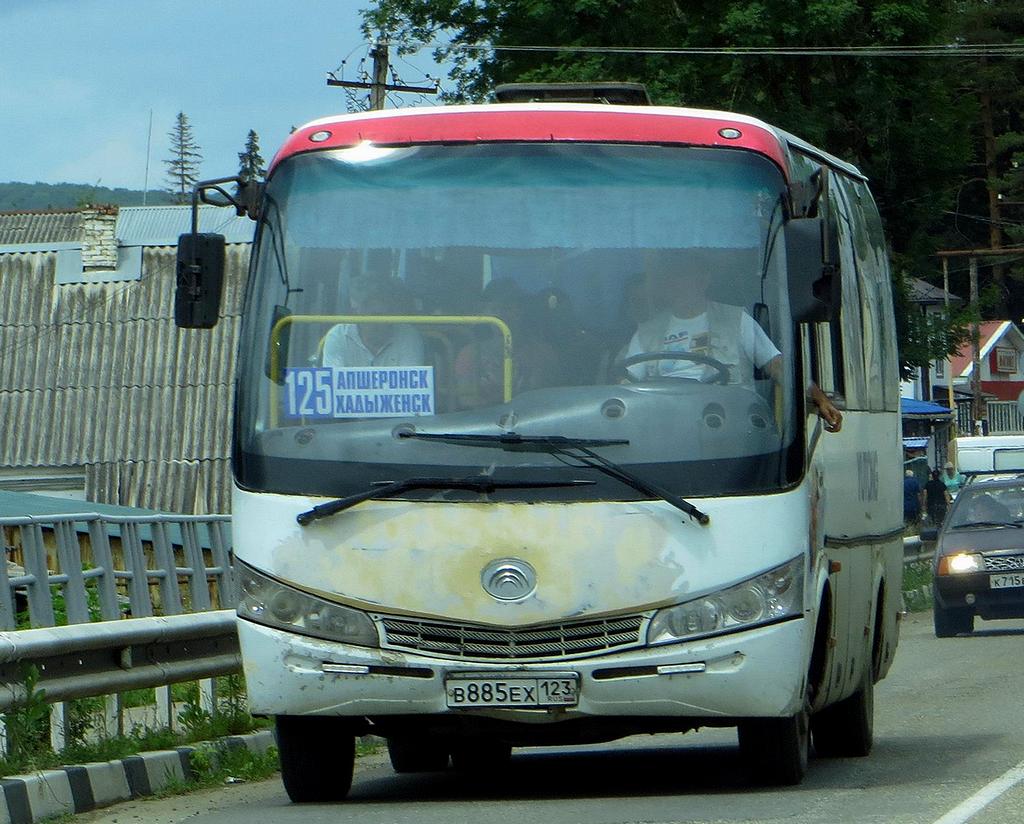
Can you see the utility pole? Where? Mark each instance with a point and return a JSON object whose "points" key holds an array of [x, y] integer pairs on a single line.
{"points": [[976, 405], [379, 85]]}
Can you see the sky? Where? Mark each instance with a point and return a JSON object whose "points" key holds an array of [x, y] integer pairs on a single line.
{"points": [[79, 80]]}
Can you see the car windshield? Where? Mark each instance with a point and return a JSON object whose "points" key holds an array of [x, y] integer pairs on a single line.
{"points": [[982, 504], [627, 293]]}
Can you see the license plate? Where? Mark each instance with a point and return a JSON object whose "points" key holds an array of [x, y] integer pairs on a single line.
{"points": [[1006, 580], [486, 691]]}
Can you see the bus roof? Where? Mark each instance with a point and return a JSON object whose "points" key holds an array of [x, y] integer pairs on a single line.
{"points": [[549, 122]]}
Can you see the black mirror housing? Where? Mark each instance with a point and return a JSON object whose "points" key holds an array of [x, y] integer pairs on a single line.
{"points": [[813, 279], [200, 280]]}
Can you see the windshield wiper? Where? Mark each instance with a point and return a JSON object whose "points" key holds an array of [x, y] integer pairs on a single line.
{"points": [[577, 449], [1016, 524], [386, 489], [512, 441]]}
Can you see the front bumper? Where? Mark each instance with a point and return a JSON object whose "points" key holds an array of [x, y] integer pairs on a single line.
{"points": [[974, 591], [755, 673]]}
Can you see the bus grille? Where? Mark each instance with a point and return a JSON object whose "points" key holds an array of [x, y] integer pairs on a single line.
{"points": [[1000, 563], [547, 641]]}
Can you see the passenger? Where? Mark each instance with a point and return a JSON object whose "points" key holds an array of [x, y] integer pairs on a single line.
{"points": [[689, 321], [374, 344], [479, 365]]}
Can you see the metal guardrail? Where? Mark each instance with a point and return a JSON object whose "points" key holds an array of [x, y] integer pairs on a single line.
{"points": [[84, 660], [914, 550]]}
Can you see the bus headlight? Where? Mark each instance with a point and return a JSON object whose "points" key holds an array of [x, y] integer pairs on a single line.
{"points": [[274, 604], [768, 597]]}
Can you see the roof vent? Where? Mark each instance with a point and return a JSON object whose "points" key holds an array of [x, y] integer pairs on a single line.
{"points": [[619, 94]]}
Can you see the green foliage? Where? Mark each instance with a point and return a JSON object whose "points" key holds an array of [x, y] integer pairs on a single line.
{"points": [[214, 764], [36, 197], [27, 722], [914, 126]]}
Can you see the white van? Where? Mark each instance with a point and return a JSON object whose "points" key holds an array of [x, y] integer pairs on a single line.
{"points": [[990, 453]]}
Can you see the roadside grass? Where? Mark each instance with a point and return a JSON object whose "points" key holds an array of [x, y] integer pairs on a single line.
{"points": [[28, 737], [917, 585]]}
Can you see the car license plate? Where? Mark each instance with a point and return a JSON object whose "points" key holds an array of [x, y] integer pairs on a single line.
{"points": [[561, 690], [1006, 580]]}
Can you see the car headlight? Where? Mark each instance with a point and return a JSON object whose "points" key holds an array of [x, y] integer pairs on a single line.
{"points": [[778, 593], [274, 604], [961, 563]]}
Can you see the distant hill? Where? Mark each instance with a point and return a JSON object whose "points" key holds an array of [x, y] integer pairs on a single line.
{"points": [[30, 197]]}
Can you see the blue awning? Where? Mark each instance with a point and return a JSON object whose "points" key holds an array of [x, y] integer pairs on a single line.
{"points": [[909, 406]]}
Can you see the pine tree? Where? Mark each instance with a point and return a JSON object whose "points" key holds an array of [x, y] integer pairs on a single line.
{"points": [[251, 165], [183, 167]]}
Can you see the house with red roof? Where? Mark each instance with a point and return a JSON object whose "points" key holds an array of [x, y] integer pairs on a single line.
{"points": [[1002, 371]]}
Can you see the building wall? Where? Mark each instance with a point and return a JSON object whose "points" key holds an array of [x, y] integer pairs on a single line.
{"points": [[96, 375]]}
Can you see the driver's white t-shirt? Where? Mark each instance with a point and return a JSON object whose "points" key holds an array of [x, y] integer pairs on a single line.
{"points": [[693, 335]]}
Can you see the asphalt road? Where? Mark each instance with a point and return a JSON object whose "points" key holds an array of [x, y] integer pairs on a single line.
{"points": [[949, 748]]}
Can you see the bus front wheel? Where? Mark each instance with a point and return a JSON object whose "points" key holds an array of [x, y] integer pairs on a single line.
{"points": [[317, 755], [777, 749]]}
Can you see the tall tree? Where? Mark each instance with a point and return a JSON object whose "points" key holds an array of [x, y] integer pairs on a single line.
{"points": [[251, 164], [183, 165], [990, 209]]}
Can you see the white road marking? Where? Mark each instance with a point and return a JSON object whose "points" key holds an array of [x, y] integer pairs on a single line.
{"points": [[968, 808]]}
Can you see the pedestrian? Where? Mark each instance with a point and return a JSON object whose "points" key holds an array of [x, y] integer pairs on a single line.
{"points": [[936, 498], [911, 498], [952, 479]]}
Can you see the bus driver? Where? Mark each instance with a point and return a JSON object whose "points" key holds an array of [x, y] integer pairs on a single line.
{"points": [[688, 321]]}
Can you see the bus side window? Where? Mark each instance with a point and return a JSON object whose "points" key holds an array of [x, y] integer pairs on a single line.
{"points": [[848, 332]]}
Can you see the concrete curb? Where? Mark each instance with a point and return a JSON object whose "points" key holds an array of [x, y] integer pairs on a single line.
{"points": [[81, 788]]}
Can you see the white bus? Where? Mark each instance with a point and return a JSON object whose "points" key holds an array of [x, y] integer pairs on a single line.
{"points": [[480, 505]]}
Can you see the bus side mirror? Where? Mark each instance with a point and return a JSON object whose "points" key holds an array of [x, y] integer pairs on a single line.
{"points": [[813, 276], [200, 280]]}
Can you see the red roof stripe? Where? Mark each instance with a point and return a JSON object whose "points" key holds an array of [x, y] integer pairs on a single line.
{"points": [[480, 124]]}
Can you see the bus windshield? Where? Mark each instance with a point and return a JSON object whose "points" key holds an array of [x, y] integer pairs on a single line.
{"points": [[620, 293]]}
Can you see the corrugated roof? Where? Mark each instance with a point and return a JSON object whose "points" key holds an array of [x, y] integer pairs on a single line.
{"points": [[40, 227], [161, 225], [136, 226]]}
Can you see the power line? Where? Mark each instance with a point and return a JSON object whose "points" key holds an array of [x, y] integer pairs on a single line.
{"points": [[955, 50]]}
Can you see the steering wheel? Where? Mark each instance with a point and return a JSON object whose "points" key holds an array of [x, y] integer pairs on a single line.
{"points": [[723, 370]]}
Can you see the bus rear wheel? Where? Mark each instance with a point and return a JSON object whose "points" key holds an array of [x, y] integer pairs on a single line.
{"points": [[480, 756], [847, 728], [317, 755], [777, 750]]}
